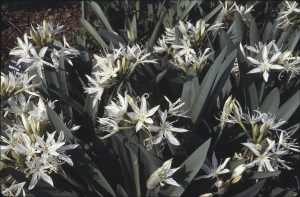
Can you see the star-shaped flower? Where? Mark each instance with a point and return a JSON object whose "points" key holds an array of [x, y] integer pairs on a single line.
{"points": [[165, 130], [214, 170], [265, 65], [142, 114]]}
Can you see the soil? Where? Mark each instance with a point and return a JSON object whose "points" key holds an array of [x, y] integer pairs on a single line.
{"points": [[17, 17]]}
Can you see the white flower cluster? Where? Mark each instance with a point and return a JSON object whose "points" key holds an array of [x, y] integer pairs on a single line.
{"points": [[114, 67], [262, 124], [141, 119], [28, 53], [188, 52], [289, 16], [272, 58]]}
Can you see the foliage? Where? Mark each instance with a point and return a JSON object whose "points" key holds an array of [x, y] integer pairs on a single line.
{"points": [[176, 83]]}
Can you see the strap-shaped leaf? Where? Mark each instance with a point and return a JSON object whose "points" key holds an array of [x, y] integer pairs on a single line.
{"points": [[292, 41], [188, 170], [115, 39], [120, 191], [69, 100], [252, 191], [267, 32], [225, 41], [254, 36], [93, 33], [271, 102], [284, 36], [155, 32], [205, 88], [155, 81], [82, 162], [63, 88], [239, 26], [190, 89], [187, 10], [289, 107], [98, 11], [262, 175], [212, 14]]}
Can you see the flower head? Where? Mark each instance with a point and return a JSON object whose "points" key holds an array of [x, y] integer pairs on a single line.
{"points": [[142, 114], [162, 176], [214, 170], [265, 65], [165, 130]]}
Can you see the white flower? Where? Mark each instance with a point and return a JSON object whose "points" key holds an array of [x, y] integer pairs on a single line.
{"points": [[108, 125], [269, 123], [27, 85], [265, 65], [38, 170], [39, 112], [107, 71], [238, 171], [186, 49], [290, 9], [11, 139], [118, 109], [14, 190], [262, 160], [37, 60], [243, 11], [283, 142], [236, 114], [61, 150], [279, 153], [28, 148], [165, 130], [174, 110], [22, 50], [142, 115], [50, 146], [15, 108], [201, 59], [214, 170], [96, 87], [162, 176], [49, 29], [252, 119], [163, 47]]}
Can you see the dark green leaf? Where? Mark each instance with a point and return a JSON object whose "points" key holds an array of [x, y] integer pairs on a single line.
{"points": [[188, 170], [225, 41], [120, 191], [289, 107], [155, 32], [155, 81], [271, 102], [212, 14], [190, 89], [205, 88], [187, 10], [254, 36], [93, 33], [267, 32], [69, 100], [82, 162], [98, 11], [292, 41], [252, 191], [239, 27], [262, 175]]}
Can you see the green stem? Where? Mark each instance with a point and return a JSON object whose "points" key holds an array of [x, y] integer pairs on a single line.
{"points": [[242, 125]]}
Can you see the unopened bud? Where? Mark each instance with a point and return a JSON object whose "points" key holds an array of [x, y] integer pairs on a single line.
{"points": [[236, 179], [219, 183], [206, 195], [238, 171]]}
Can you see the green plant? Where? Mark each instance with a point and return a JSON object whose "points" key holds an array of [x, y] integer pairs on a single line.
{"points": [[199, 81]]}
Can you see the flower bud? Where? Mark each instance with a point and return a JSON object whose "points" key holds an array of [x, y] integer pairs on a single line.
{"points": [[206, 195], [238, 171], [236, 179], [219, 183]]}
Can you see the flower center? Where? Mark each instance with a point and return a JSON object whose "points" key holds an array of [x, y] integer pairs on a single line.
{"points": [[143, 116]]}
